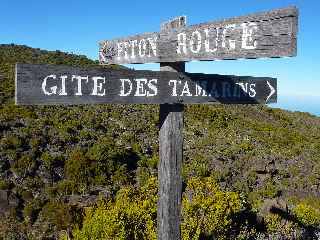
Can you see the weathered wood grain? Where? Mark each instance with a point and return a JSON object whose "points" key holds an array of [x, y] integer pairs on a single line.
{"points": [[170, 154], [147, 87], [169, 171], [174, 24], [260, 35], [136, 49]]}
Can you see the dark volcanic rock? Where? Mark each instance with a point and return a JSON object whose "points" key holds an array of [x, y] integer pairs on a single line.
{"points": [[81, 200], [4, 163], [8, 200]]}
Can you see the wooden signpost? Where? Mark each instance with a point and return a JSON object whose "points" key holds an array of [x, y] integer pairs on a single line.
{"points": [[51, 84], [268, 34]]}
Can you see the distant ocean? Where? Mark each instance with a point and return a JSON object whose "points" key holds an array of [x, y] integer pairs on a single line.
{"points": [[310, 104]]}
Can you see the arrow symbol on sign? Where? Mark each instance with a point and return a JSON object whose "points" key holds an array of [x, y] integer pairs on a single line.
{"points": [[271, 92]]}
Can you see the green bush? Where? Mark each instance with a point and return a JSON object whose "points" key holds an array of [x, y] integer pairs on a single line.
{"points": [[77, 169], [31, 210], [132, 215], [4, 185], [10, 142], [23, 165], [48, 160], [103, 164], [307, 214], [277, 225], [207, 210], [58, 213]]}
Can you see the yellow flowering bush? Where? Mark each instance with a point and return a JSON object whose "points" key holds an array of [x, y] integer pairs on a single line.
{"points": [[132, 215], [207, 211], [307, 214]]}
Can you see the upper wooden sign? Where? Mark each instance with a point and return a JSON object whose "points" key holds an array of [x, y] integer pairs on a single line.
{"points": [[260, 35], [50, 84]]}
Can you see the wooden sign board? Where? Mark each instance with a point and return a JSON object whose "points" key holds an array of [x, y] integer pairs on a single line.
{"points": [[56, 84], [260, 35]]}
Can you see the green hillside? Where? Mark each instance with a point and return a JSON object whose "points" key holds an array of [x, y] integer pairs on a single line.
{"points": [[89, 172]]}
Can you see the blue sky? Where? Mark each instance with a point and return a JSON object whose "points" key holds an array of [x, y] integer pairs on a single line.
{"points": [[78, 26]]}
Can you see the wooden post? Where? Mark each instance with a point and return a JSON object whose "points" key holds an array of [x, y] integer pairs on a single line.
{"points": [[171, 154]]}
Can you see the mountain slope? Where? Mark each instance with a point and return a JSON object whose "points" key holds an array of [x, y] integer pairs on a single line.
{"points": [[55, 160]]}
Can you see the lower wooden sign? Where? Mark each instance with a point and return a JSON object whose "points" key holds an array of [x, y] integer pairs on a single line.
{"points": [[57, 84]]}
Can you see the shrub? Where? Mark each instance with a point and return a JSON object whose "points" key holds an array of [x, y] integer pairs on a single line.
{"points": [[64, 187], [11, 142], [48, 160], [23, 165], [77, 168], [26, 195], [307, 214], [4, 185], [31, 210], [207, 210], [132, 215], [58, 213], [276, 224], [35, 142]]}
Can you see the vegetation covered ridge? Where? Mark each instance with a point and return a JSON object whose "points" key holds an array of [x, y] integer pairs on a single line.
{"points": [[90, 171]]}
